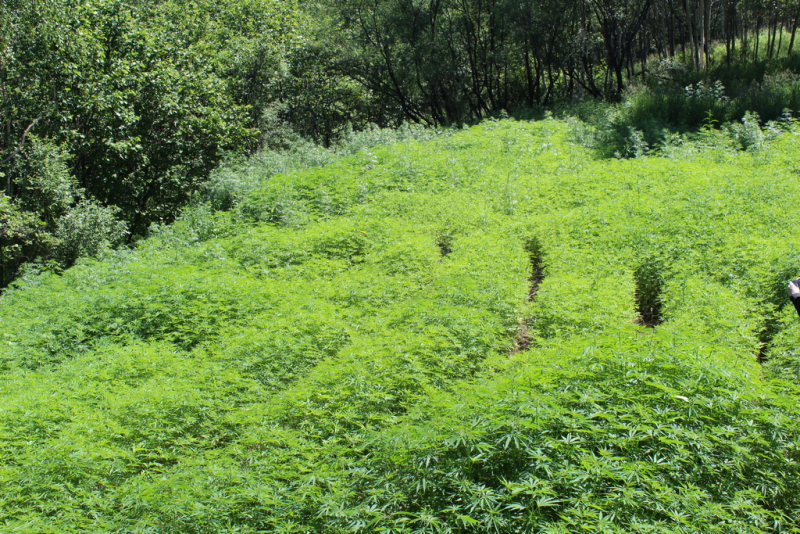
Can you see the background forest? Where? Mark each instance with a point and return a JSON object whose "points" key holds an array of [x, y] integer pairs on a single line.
{"points": [[114, 113]]}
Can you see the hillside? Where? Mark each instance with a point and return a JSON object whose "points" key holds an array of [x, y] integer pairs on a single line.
{"points": [[492, 331]]}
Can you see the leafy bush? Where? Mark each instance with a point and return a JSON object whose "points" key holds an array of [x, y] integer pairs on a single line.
{"points": [[748, 134], [50, 218], [655, 115], [238, 177]]}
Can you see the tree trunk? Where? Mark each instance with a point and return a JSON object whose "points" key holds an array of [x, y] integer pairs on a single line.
{"points": [[794, 30], [707, 30], [528, 73], [758, 37], [702, 51], [743, 49], [671, 34], [690, 26], [726, 34], [772, 28]]}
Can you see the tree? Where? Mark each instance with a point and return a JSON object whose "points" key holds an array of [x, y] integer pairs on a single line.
{"points": [[145, 97], [49, 218], [620, 22]]}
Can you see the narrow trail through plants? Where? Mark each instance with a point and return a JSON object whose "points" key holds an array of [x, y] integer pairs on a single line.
{"points": [[536, 257], [768, 330]]}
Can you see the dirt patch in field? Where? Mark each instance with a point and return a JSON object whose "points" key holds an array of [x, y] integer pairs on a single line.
{"points": [[536, 256]]}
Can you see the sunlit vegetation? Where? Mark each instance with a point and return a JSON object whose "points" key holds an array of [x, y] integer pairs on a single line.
{"points": [[115, 113], [244, 290], [493, 329]]}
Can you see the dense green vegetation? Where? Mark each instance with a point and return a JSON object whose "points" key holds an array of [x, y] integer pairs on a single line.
{"points": [[114, 113], [442, 335], [306, 296]]}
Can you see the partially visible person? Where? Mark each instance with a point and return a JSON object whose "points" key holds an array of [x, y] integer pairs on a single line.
{"points": [[794, 293]]}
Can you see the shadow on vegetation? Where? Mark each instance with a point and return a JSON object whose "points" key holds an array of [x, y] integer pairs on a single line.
{"points": [[445, 244], [769, 327], [774, 298], [649, 286], [674, 103], [533, 247]]}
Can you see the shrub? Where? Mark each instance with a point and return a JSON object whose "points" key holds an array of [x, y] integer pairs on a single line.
{"points": [[51, 219], [748, 134]]}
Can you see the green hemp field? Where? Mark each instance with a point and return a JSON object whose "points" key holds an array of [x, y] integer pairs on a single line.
{"points": [[493, 331]]}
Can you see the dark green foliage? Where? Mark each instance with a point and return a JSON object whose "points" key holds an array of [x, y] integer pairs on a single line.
{"points": [[451, 61], [142, 118], [533, 247], [711, 103], [649, 279], [137, 102], [53, 220]]}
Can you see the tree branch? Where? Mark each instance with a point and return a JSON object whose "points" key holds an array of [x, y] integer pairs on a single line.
{"points": [[22, 142]]}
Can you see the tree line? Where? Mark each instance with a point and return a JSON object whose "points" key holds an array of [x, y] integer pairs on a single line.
{"points": [[114, 112], [441, 61]]}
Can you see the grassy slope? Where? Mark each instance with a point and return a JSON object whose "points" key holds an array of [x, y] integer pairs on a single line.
{"points": [[313, 362]]}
